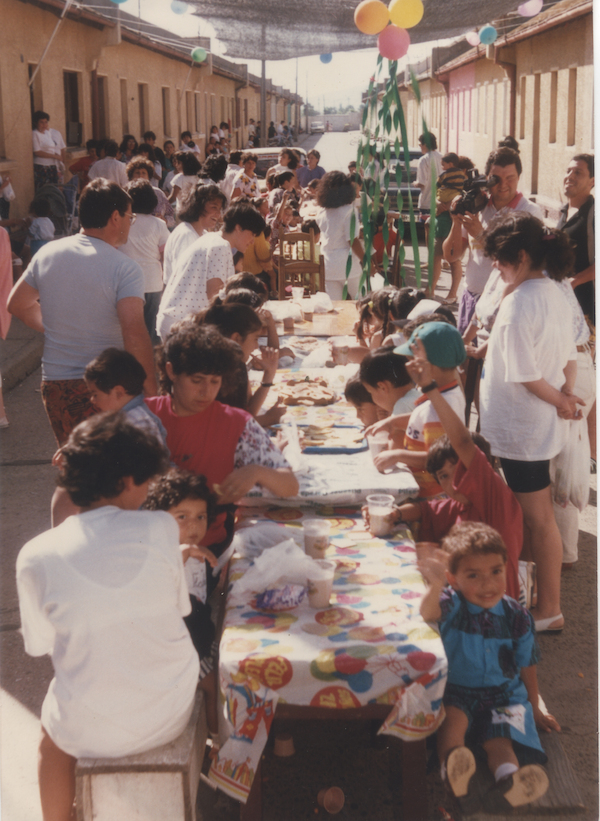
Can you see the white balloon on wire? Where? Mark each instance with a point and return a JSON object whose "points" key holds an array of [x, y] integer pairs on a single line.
{"points": [[530, 8]]}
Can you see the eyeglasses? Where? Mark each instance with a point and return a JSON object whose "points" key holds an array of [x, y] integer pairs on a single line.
{"points": [[131, 217]]}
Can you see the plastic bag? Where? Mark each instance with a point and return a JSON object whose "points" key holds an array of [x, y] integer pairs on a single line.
{"points": [[570, 470], [322, 303], [285, 563]]}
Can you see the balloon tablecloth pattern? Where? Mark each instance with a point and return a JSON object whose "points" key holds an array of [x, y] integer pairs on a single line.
{"points": [[369, 646]]}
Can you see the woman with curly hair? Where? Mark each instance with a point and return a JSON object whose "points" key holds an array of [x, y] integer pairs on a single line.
{"points": [[335, 198], [128, 148]]}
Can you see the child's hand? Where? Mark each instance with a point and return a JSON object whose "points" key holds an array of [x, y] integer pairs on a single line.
{"points": [[432, 563], [545, 721], [270, 361], [393, 518], [193, 551], [385, 459], [377, 427], [272, 416], [419, 368]]}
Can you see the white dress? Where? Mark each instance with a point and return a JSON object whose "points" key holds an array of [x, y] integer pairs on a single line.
{"points": [[104, 594], [334, 224]]}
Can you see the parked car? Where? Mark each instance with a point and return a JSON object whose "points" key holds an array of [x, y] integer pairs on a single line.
{"points": [[268, 157], [317, 127]]}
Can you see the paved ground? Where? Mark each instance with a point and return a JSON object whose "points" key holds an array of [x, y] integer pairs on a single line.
{"points": [[344, 756]]}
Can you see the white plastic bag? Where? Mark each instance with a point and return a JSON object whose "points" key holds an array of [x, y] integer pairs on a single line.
{"points": [[570, 470], [322, 303], [285, 563]]}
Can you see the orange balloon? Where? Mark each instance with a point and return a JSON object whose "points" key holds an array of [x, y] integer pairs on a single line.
{"points": [[406, 13], [371, 16]]}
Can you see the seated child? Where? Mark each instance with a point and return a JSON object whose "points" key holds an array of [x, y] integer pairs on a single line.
{"points": [[445, 351], [41, 228], [115, 380], [491, 696], [462, 463], [187, 498], [358, 396], [383, 374], [105, 594]]}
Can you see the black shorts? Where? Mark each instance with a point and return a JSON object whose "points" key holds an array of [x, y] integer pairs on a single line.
{"points": [[526, 477]]}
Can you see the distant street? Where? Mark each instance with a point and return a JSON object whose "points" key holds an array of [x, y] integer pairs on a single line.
{"points": [[337, 148]]}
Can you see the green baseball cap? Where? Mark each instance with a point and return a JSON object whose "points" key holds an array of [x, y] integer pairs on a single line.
{"points": [[443, 344]]}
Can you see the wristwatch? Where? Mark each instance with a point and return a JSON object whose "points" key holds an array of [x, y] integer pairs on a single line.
{"points": [[432, 386]]}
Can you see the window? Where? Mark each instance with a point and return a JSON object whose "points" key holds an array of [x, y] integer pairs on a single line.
{"points": [[103, 125], [124, 107], [72, 124], [143, 106], [197, 110], [189, 111], [553, 102], [523, 101], [35, 90], [572, 106], [245, 112], [166, 111]]}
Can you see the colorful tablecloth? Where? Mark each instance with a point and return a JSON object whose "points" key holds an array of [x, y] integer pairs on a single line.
{"points": [[370, 646]]}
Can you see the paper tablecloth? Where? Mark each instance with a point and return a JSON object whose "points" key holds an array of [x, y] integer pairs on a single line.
{"points": [[370, 646]]}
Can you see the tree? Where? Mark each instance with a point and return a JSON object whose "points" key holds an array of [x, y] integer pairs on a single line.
{"points": [[310, 111]]}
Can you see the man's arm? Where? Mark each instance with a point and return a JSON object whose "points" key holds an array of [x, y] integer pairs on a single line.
{"points": [[23, 303], [136, 339]]}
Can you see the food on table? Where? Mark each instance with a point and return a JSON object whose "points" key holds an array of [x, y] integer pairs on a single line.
{"points": [[307, 391]]}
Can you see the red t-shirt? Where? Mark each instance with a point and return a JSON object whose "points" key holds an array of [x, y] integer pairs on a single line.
{"points": [[204, 443], [492, 502], [84, 164], [378, 245]]}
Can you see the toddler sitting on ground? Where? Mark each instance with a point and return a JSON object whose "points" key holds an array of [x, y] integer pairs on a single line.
{"points": [[491, 698]]}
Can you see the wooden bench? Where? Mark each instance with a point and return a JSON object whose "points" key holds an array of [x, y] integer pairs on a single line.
{"points": [[563, 796], [158, 785]]}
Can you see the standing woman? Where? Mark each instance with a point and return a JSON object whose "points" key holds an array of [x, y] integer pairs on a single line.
{"points": [[128, 148], [45, 154], [526, 387], [335, 198]]}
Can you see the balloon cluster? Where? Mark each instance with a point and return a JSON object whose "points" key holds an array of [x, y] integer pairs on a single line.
{"points": [[390, 23]]}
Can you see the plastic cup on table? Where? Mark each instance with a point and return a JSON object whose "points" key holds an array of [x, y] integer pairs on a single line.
{"points": [[297, 292], [377, 442], [320, 587], [316, 537], [381, 505], [340, 347], [331, 799], [288, 323]]}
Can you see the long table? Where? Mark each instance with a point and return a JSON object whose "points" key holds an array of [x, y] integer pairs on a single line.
{"points": [[368, 655], [339, 322]]}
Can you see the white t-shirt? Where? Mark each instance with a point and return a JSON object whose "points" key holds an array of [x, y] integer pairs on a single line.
{"points": [[179, 241], [109, 168], [147, 236], [80, 279], [425, 173], [104, 594], [478, 267], [184, 183], [530, 340], [406, 403], [210, 257], [226, 184], [41, 228], [42, 141]]}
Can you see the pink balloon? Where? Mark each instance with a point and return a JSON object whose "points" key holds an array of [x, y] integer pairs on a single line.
{"points": [[530, 8], [393, 42], [472, 38]]}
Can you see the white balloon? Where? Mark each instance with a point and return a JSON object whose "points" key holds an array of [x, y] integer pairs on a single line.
{"points": [[472, 38], [530, 8]]}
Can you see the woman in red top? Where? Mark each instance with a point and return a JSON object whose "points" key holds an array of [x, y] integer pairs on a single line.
{"points": [[225, 444]]}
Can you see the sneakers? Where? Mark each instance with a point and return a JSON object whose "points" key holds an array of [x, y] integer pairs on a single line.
{"points": [[526, 785]]}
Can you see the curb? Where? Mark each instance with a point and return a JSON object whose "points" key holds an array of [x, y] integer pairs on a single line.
{"points": [[19, 367]]}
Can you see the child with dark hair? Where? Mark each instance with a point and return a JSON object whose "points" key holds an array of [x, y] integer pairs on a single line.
{"points": [[462, 464], [41, 228], [362, 401], [104, 594], [187, 498], [491, 698], [145, 244]]}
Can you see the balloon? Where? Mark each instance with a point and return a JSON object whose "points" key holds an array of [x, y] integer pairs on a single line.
{"points": [[406, 13], [326, 58], [472, 38], [488, 35], [393, 42], [371, 16], [530, 8], [199, 54], [177, 7]]}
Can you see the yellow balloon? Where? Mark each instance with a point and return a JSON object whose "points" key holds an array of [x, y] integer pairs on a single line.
{"points": [[406, 13], [371, 16]]}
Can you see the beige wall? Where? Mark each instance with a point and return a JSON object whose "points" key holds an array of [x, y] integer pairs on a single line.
{"points": [[134, 79]]}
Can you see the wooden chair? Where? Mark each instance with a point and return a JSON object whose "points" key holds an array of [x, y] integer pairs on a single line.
{"points": [[297, 266]]}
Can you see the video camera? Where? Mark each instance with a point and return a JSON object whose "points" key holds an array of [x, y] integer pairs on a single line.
{"points": [[474, 199]]}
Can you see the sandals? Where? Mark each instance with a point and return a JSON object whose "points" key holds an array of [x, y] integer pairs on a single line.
{"points": [[460, 767], [543, 625], [522, 787], [450, 302]]}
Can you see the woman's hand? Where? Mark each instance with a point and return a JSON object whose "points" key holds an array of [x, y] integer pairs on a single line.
{"points": [[237, 484], [193, 551]]}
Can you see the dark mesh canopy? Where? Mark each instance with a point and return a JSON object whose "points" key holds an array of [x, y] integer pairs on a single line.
{"points": [[277, 30]]}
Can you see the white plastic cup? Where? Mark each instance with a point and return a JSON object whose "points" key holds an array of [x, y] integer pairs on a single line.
{"points": [[297, 293], [377, 442], [316, 537], [319, 589], [340, 347], [288, 323], [381, 506]]}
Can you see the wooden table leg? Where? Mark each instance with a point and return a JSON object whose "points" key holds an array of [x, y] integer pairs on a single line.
{"points": [[252, 809], [414, 787]]}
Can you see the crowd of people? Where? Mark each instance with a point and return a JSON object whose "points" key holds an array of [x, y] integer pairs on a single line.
{"points": [[151, 316]]}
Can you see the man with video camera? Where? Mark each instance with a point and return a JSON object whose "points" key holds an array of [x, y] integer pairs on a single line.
{"points": [[468, 228]]}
